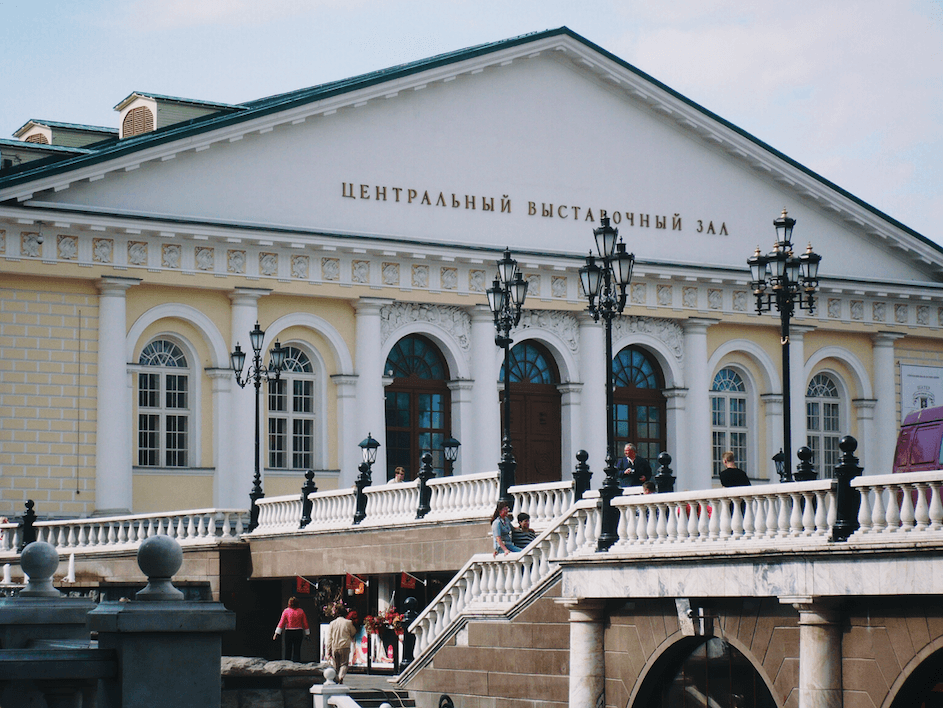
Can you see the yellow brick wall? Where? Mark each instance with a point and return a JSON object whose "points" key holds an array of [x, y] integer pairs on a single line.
{"points": [[48, 370]]}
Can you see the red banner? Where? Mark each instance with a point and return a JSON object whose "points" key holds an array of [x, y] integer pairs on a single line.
{"points": [[406, 581], [302, 586]]}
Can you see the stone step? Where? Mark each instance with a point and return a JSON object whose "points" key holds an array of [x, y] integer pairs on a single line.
{"points": [[374, 698]]}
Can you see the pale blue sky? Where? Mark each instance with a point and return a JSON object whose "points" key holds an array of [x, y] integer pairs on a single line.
{"points": [[852, 89]]}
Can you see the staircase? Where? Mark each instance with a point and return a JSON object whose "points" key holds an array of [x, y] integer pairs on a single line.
{"points": [[375, 697]]}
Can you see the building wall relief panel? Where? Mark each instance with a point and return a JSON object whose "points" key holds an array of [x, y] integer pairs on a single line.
{"points": [[454, 320]]}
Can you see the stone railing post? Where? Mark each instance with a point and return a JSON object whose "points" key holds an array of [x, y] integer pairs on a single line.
{"points": [[847, 499], [307, 489], [805, 472], [425, 493], [664, 480], [582, 475], [28, 530], [168, 648]]}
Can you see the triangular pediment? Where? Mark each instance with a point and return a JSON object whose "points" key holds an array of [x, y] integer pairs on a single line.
{"points": [[519, 143]]}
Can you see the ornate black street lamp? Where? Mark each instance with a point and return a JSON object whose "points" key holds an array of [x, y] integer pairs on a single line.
{"points": [[257, 373], [368, 447], [783, 279], [605, 285], [506, 300], [450, 448]]}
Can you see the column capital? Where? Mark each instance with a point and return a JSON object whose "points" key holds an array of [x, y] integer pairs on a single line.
{"points": [[247, 296], [799, 330], [584, 609], [111, 284], [813, 610], [344, 380], [585, 319], [460, 384], [480, 313], [698, 325], [886, 339], [371, 305]]}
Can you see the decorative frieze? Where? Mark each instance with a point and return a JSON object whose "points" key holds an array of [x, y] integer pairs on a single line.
{"points": [[923, 315], [30, 245], [453, 320], [103, 250], [877, 311], [834, 308], [205, 258], [170, 255], [689, 297], [476, 281], [360, 272], [268, 264], [137, 253], [67, 248], [330, 269], [667, 331], [901, 313], [562, 324], [533, 284], [236, 262], [715, 298], [299, 267], [664, 295], [638, 293], [3, 241], [857, 310], [448, 278], [420, 277], [739, 301], [390, 272]]}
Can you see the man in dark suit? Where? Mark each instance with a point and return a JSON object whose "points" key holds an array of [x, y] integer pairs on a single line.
{"points": [[731, 475], [632, 469]]}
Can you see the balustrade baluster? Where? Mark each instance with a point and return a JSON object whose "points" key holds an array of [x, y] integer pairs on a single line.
{"points": [[865, 511], [622, 531], [681, 514], [736, 507], [73, 537], [582, 522], [661, 528], [510, 572], [546, 549], [922, 512], [191, 527], [724, 523], [651, 526], [713, 523], [593, 529], [703, 521], [907, 518], [112, 534], [936, 507], [772, 516], [527, 566], [474, 570], [878, 522], [749, 523], [892, 511], [759, 517], [808, 513], [821, 512], [795, 514], [516, 571]]}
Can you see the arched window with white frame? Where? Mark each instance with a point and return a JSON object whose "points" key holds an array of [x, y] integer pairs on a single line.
{"points": [[728, 418], [823, 422], [164, 406], [292, 414]]}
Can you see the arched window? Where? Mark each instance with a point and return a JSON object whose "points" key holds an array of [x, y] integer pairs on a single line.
{"points": [[291, 414], [638, 403], [728, 418], [164, 406], [418, 405], [823, 422], [529, 363]]}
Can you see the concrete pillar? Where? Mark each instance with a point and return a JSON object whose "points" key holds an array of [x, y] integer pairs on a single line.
{"points": [[886, 423], [773, 412], [820, 654], [484, 357], [698, 473], [371, 409], [593, 399], [864, 413], [241, 433], [571, 425], [676, 424], [348, 454], [463, 417], [226, 495], [587, 652], [114, 441], [798, 385]]}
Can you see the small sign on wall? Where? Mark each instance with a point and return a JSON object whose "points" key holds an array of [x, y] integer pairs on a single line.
{"points": [[920, 387]]}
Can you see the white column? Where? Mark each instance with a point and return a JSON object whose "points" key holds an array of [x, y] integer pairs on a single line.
{"points": [[244, 315], [676, 427], [587, 653], [348, 454], [571, 424], [773, 411], [593, 399], [482, 451], [463, 417], [798, 385], [820, 655], [225, 494], [697, 380], [864, 413], [371, 409], [114, 439], [886, 423]]}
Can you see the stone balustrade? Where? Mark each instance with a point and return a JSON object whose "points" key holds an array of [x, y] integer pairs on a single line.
{"points": [[101, 534], [467, 496], [544, 502], [898, 507]]}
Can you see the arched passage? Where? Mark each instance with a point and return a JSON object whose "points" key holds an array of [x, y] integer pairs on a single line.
{"points": [[700, 671]]}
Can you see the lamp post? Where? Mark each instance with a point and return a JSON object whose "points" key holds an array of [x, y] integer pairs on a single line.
{"points": [[785, 280], [450, 448], [368, 448], [257, 373], [506, 300], [605, 285]]}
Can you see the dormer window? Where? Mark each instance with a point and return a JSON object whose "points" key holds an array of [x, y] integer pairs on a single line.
{"points": [[138, 120], [37, 138]]}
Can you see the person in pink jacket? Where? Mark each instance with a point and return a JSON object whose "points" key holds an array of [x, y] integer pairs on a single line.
{"points": [[295, 624]]}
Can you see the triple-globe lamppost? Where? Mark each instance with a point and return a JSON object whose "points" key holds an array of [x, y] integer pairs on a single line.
{"points": [[257, 373], [605, 283], [506, 300], [785, 280]]}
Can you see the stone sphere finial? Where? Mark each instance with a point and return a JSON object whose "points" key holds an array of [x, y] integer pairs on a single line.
{"points": [[159, 557], [39, 561], [329, 675]]}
